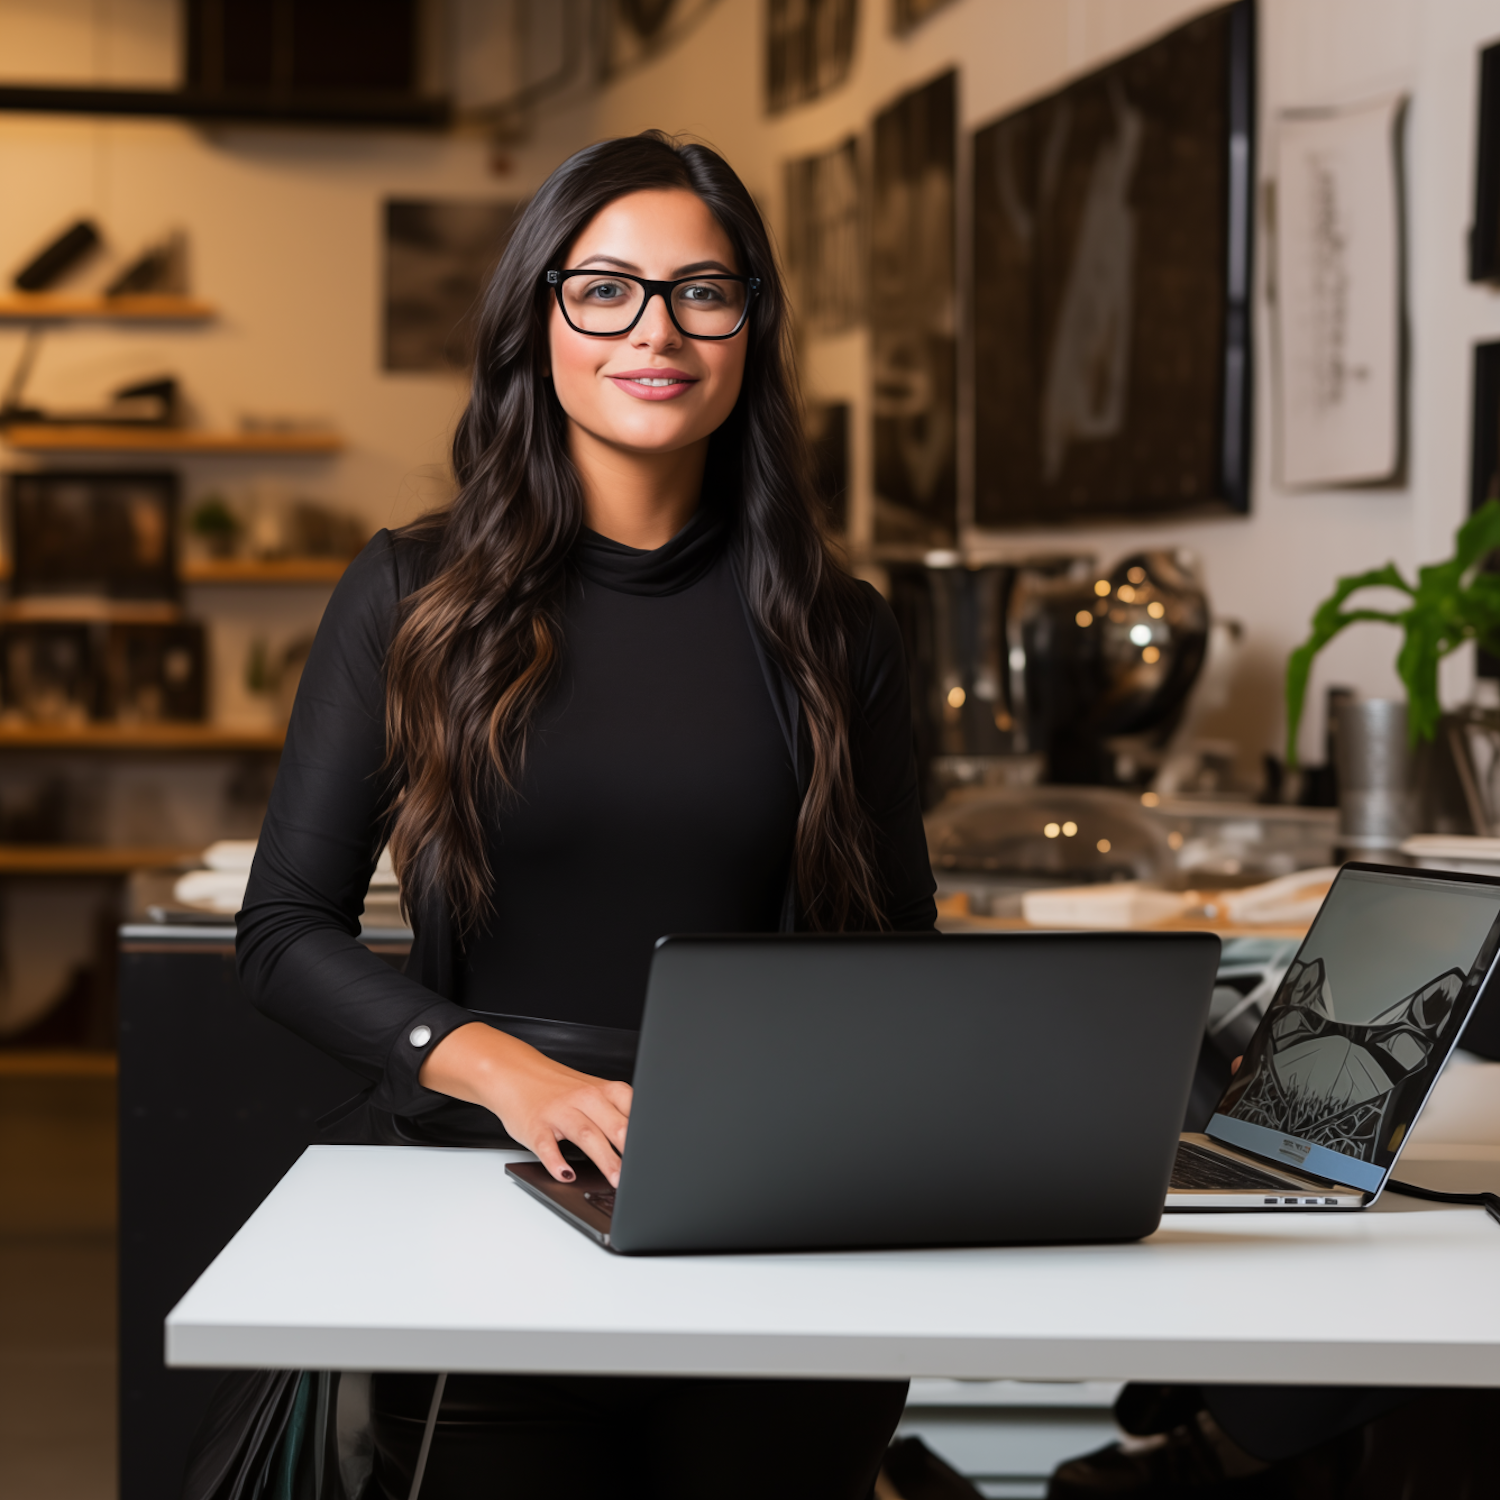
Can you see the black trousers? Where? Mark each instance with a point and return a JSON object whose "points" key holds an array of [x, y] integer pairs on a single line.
{"points": [[636, 1438]]}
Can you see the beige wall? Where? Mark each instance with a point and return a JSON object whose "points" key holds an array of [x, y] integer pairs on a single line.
{"points": [[1270, 569], [286, 240]]}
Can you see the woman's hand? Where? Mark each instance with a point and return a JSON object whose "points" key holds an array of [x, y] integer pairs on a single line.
{"points": [[538, 1101]]}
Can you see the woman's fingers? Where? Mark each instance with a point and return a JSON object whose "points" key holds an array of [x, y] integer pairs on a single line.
{"points": [[546, 1151]]}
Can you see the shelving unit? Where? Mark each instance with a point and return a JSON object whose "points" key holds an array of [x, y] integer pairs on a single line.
{"points": [[153, 737], [27, 437], [262, 570], [90, 859], [53, 307]]}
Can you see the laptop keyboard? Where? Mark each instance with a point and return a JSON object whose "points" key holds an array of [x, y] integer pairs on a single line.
{"points": [[1197, 1168], [603, 1199]]}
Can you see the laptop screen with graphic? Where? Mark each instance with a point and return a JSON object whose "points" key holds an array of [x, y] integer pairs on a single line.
{"points": [[1362, 1023]]}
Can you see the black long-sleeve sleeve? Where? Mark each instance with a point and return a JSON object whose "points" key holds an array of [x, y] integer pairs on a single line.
{"points": [[299, 956]]}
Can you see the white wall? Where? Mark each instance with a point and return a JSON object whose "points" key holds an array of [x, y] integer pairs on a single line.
{"points": [[1268, 570]]}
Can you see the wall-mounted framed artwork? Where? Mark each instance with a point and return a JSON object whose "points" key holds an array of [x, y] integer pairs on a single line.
{"points": [[825, 238], [439, 253], [1337, 296], [1484, 235], [1484, 453], [912, 315], [809, 47], [1113, 231]]}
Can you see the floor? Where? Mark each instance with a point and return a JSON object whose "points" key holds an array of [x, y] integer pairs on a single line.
{"points": [[57, 1279]]}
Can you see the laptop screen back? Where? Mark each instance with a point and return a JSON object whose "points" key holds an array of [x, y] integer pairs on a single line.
{"points": [[1355, 1037]]}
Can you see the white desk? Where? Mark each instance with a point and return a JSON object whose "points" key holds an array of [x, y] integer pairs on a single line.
{"points": [[389, 1259]]}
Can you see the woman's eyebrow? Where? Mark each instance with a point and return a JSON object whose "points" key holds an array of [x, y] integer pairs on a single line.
{"points": [[630, 265], [613, 260], [703, 265]]}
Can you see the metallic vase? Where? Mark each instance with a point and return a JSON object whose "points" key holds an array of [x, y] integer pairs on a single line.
{"points": [[1374, 768]]}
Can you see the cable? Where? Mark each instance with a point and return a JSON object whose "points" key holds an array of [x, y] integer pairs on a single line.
{"points": [[1489, 1202]]}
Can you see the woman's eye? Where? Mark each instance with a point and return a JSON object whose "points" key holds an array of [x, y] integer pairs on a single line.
{"points": [[604, 291], [702, 292]]}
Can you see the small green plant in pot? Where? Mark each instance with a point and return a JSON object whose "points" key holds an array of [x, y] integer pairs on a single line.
{"points": [[1451, 602]]}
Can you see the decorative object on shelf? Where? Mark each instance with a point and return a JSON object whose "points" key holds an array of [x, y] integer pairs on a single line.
{"points": [[47, 673], [1340, 402], [907, 14], [825, 239], [213, 522], [93, 533], [1113, 232], [160, 268], [153, 673], [809, 48], [912, 292], [154, 402], [1484, 233], [1374, 768], [1451, 602], [66, 253], [438, 256]]}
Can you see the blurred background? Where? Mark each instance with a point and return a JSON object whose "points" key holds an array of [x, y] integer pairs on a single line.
{"points": [[1125, 328]]}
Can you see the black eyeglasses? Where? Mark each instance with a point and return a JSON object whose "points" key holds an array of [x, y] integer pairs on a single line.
{"points": [[607, 304]]}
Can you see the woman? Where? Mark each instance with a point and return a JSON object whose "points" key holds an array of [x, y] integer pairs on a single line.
{"points": [[618, 688]]}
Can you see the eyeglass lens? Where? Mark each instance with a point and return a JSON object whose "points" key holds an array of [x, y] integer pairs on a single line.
{"points": [[711, 307]]}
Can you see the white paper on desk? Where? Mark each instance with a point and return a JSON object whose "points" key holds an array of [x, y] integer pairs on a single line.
{"points": [[1337, 295], [1122, 904]]}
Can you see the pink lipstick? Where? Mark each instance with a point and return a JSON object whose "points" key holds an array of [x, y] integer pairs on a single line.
{"points": [[656, 383]]}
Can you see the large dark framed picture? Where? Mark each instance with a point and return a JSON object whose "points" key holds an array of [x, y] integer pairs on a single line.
{"points": [[1113, 227], [912, 293], [1484, 456], [1484, 236], [439, 253]]}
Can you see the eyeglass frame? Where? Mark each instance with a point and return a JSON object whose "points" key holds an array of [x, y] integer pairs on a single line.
{"points": [[662, 289]]}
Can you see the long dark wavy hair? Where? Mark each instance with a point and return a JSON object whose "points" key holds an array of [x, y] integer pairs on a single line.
{"points": [[477, 646]]}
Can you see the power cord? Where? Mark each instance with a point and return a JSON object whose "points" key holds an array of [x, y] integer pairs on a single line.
{"points": [[1489, 1202]]}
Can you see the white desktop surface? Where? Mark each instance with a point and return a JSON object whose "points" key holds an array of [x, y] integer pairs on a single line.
{"points": [[387, 1258]]}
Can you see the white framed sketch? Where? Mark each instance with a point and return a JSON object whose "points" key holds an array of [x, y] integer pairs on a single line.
{"points": [[1338, 296]]}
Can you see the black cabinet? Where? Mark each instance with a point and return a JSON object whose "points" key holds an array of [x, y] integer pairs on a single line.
{"points": [[216, 1103]]}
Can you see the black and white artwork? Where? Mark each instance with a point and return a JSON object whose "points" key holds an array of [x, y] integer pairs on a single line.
{"points": [[809, 47], [1338, 295], [438, 256], [1112, 238], [824, 248], [913, 319]]}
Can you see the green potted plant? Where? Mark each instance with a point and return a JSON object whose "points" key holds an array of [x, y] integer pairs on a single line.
{"points": [[1451, 602]]}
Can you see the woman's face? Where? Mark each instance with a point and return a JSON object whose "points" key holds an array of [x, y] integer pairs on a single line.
{"points": [[661, 235]]}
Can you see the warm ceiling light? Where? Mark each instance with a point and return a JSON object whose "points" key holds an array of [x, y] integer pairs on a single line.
{"points": [[956, 697], [1137, 575], [1149, 799], [1084, 617], [1151, 656], [1156, 609], [1126, 593], [1052, 830], [1103, 846], [1102, 588], [1174, 840], [1069, 829]]}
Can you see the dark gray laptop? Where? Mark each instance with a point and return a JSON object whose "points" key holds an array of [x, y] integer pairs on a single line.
{"points": [[804, 1092], [1350, 1046]]}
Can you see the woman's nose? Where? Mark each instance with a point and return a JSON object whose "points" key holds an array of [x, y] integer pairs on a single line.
{"points": [[656, 330]]}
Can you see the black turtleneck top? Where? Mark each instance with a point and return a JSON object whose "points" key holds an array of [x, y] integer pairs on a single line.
{"points": [[659, 794]]}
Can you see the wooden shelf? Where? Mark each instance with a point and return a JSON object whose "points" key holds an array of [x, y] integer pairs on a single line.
{"points": [[90, 859], [137, 737], [43, 437], [154, 307], [57, 1062], [262, 570]]}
